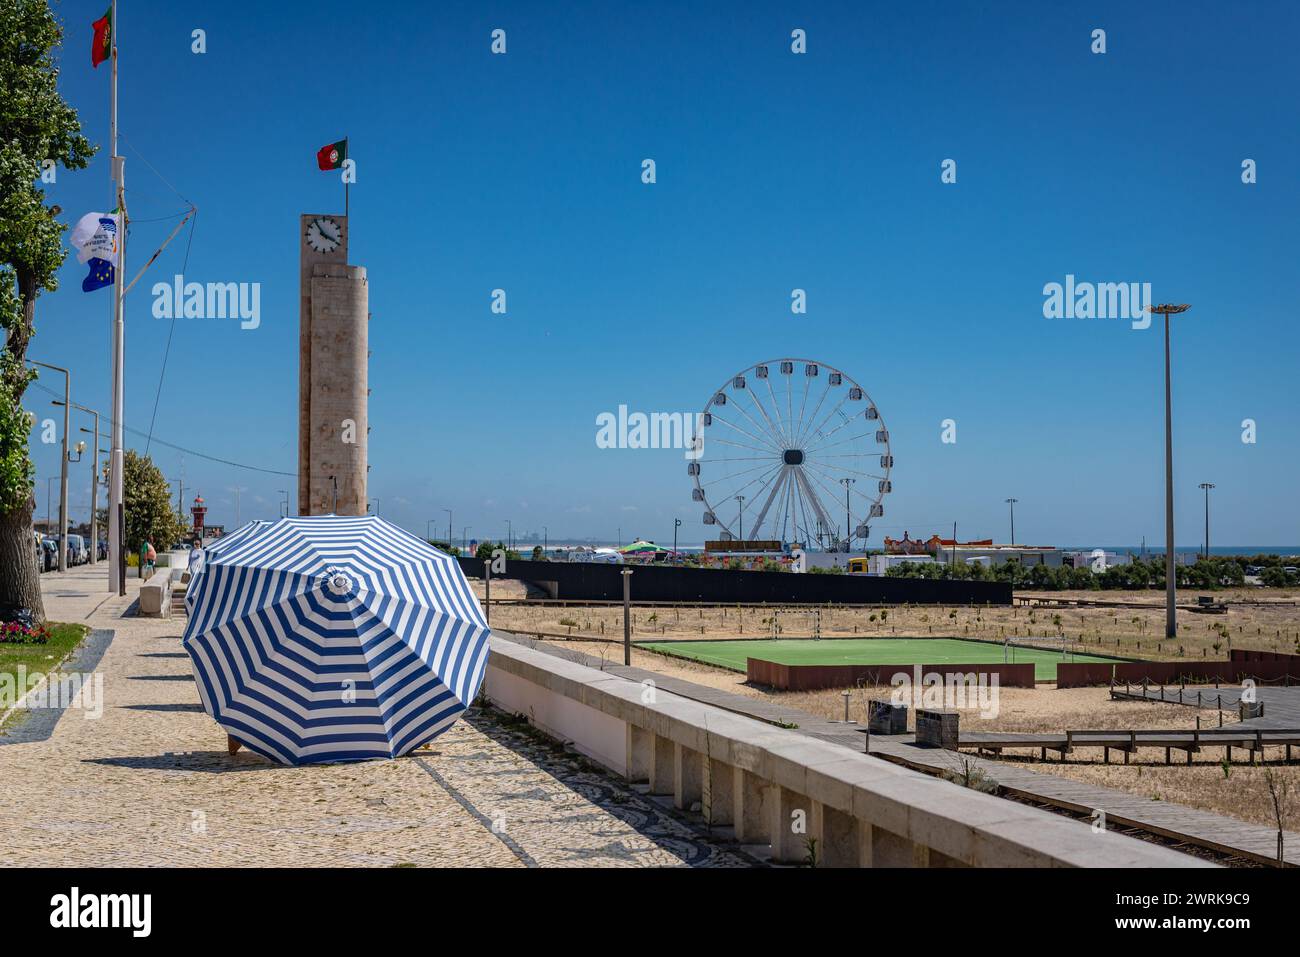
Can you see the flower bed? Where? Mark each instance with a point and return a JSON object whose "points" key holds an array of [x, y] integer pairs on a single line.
{"points": [[16, 633]]}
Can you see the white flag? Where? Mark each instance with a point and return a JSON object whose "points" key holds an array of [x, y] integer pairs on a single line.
{"points": [[95, 237]]}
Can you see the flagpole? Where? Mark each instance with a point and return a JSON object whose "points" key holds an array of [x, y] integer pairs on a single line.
{"points": [[116, 519]]}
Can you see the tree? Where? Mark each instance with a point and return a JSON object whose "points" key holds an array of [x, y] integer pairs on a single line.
{"points": [[148, 501], [36, 125]]}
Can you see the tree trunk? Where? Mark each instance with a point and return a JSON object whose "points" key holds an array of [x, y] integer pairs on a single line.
{"points": [[20, 578]]}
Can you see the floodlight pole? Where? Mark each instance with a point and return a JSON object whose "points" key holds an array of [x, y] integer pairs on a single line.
{"points": [[1012, 503], [627, 616], [1207, 486], [1171, 584]]}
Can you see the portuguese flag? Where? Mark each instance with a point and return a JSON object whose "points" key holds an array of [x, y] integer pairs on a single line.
{"points": [[333, 155], [102, 46]]}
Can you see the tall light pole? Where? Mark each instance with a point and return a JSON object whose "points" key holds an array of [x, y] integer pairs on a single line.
{"points": [[1012, 503], [677, 523], [848, 515], [510, 534], [116, 513], [448, 511], [1207, 486], [741, 500], [428, 534], [1171, 585], [63, 462], [546, 539]]}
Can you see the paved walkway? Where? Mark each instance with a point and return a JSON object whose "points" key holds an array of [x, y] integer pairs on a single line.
{"points": [[1222, 834], [150, 782], [1281, 704]]}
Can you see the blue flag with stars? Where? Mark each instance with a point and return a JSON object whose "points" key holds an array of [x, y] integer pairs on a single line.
{"points": [[101, 274]]}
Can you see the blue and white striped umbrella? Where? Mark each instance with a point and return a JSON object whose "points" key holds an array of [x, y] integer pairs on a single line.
{"points": [[332, 638], [220, 545]]}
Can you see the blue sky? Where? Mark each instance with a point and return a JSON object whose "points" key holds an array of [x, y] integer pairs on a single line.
{"points": [[775, 171]]}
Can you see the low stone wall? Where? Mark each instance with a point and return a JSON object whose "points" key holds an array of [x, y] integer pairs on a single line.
{"points": [[816, 677], [780, 788], [1082, 674]]}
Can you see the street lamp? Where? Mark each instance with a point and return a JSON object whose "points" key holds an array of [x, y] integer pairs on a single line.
{"points": [[677, 523], [1171, 585], [428, 535], [448, 511], [1012, 503], [63, 464], [510, 534], [741, 500], [94, 487], [1207, 486], [546, 539]]}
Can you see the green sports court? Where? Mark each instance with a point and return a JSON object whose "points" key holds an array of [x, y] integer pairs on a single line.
{"points": [[867, 651]]}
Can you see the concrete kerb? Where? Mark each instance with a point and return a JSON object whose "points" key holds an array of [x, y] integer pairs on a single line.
{"points": [[917, 813]]}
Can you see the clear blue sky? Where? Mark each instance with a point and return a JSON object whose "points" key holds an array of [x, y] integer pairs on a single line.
{"points": [[775, 171]]}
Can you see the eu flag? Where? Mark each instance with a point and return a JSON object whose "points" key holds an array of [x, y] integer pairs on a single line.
{"points": [[101, 274]]}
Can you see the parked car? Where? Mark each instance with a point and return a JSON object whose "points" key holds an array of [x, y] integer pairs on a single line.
{"points": [[77, 552], [50, 550]]}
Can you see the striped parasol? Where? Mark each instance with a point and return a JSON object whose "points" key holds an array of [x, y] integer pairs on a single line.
{"points": [[220, 545], [333, 638]]}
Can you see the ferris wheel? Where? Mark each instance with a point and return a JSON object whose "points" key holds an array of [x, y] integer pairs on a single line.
{"points": [[791, 450]]}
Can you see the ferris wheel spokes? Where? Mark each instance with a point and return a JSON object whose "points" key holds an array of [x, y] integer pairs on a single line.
{"points": [[767, 470]]}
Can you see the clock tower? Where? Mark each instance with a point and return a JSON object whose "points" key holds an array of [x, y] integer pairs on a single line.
{"points": [[333, 360]]}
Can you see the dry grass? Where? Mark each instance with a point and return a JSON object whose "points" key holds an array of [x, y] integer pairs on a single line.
{"points": [[1242, 794]]}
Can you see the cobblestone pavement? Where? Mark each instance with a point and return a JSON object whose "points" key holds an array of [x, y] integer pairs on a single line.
{"points": [[150, 782]]}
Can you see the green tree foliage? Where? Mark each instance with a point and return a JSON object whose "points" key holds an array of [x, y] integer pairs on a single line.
{"points": [[485, 550], [149, 512], [36, 126]]}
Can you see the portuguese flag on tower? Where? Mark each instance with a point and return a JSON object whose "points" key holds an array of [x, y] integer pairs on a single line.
{"points": [[102, 46], [332, 156]]}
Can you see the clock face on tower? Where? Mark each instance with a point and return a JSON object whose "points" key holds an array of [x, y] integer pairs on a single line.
{"points": [[324, 235]]}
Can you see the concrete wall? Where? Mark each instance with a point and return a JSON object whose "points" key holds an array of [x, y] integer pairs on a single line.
{"points": [[779, 788]]}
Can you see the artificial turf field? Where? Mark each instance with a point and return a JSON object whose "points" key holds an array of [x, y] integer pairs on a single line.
{"points": [[866, 651]]}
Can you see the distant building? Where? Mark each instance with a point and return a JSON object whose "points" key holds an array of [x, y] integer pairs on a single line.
{"points": [[881, 564]]}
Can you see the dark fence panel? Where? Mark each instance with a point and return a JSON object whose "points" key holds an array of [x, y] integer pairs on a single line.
{"points": [[816, 677], [1082, 674], [590, 581]]}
